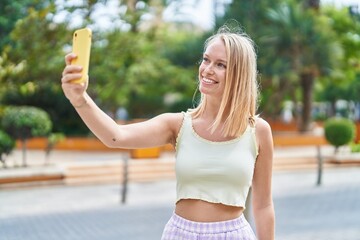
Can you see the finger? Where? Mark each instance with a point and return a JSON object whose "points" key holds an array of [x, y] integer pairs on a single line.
{"points": [[68, 78], [71, 69], [74, 86], [69, 57]]}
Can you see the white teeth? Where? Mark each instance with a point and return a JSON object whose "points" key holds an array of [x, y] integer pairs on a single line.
{"points": [[208, 80]]}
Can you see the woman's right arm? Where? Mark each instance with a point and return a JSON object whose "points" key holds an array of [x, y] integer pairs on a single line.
{"points": [[157, 131]]}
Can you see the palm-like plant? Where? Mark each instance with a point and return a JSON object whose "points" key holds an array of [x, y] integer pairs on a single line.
{"points": [[304, 39]]}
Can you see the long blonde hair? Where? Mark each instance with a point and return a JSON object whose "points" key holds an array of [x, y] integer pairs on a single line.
{"points": [[239, 100]]}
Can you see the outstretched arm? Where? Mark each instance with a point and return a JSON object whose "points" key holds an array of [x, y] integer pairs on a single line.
{"points": [[154, 132], [263, 207]]}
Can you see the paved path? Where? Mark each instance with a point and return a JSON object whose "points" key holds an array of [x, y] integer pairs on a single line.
{"points": [[303, 211]]}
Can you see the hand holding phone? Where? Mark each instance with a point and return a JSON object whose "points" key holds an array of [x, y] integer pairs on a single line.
{"points": [[82, 47]]}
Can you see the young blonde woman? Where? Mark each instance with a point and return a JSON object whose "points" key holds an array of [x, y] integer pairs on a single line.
{"points": [[222, 147]]}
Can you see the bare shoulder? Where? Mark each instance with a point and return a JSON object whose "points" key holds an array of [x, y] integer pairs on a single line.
{"points": [[262, 126], [263, 131], [173, 121]]}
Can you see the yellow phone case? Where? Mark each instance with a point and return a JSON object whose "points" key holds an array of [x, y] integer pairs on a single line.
{"points": [[81, 47]]}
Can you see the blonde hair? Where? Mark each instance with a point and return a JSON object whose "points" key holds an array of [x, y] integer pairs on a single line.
{"points": [[239, 100]]}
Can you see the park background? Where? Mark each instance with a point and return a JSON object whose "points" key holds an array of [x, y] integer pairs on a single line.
{"points": [[144, 59], [308, 56]]}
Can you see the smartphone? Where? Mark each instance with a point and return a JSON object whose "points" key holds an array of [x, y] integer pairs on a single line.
{"points": [[82, 47]]}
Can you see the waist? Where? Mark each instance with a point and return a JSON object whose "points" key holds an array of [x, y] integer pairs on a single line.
{"points": [[202, 211]]}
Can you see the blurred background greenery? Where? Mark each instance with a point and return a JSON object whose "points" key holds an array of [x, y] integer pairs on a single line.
{"points": [[308, 56]]}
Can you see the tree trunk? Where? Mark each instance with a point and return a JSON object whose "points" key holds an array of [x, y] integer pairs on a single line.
{"points": [[333, 108], [307, 85], [24, 145], [133, 15], [314, 4]]}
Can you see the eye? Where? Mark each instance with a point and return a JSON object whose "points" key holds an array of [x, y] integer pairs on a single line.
{"points": [[221, 65], [205, 60]]}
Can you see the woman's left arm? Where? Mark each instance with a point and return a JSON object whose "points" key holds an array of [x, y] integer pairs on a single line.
{"points": [[262, 202]]}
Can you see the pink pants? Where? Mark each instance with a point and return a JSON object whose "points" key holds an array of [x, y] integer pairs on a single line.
{"points": [[179, 228]]}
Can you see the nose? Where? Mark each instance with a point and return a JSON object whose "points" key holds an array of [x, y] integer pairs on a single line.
{"points": [[209, 69]]}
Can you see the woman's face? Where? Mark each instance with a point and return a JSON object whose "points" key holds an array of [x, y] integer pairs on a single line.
{"points": [[212, 70]]}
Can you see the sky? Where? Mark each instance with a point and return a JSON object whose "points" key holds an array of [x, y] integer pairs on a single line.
{"points": [[342, 2], [205, 17], [189, 11]]}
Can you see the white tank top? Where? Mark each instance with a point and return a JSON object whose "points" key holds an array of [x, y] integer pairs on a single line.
{"points": [[216, 172]]}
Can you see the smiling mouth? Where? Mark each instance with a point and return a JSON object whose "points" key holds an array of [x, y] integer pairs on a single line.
{"points": [[208, 81]]}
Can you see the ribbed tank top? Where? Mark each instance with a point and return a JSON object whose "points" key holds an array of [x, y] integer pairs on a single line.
{"points": [[216, 172]]}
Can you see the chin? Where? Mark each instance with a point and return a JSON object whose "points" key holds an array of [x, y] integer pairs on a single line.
{"points": [[203, 90]]}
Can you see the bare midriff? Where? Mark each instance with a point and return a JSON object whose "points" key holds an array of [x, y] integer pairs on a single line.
{"points": [[202, 211]]}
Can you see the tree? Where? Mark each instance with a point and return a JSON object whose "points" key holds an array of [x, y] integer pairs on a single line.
{"points": [[52, 140], [33, 66], [130, 63], [26, 122], [7, 144], [343, 83], [313, 4], [339, 132], [135, 70], [352, 93], [125, 65], [11, 12], [39, 42], [276, 79], [309, 44]]}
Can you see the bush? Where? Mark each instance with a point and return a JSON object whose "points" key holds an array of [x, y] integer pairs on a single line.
{"points": [[182, 105], [339, 131], [7, 144], [26, 122], [53, 101], [52, 140], [355, 147]]}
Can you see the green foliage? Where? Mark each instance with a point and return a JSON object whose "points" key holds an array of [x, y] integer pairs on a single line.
{"points": [[30, 70], [125, 65], [38, 43], [52, 100], [182, 105], [355, 147], [353, 89], [339, 131], [332, 92], [133, 70], [10, 12], [137, 64], [7, 144], [343, 82], [250, 14], [348, 33], [183, 48], [55, 138], [8, 69], [25, 122], [52, 140], [302, 47]]}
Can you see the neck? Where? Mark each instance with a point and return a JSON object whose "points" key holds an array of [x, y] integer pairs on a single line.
{"points": [[212, 108]]}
